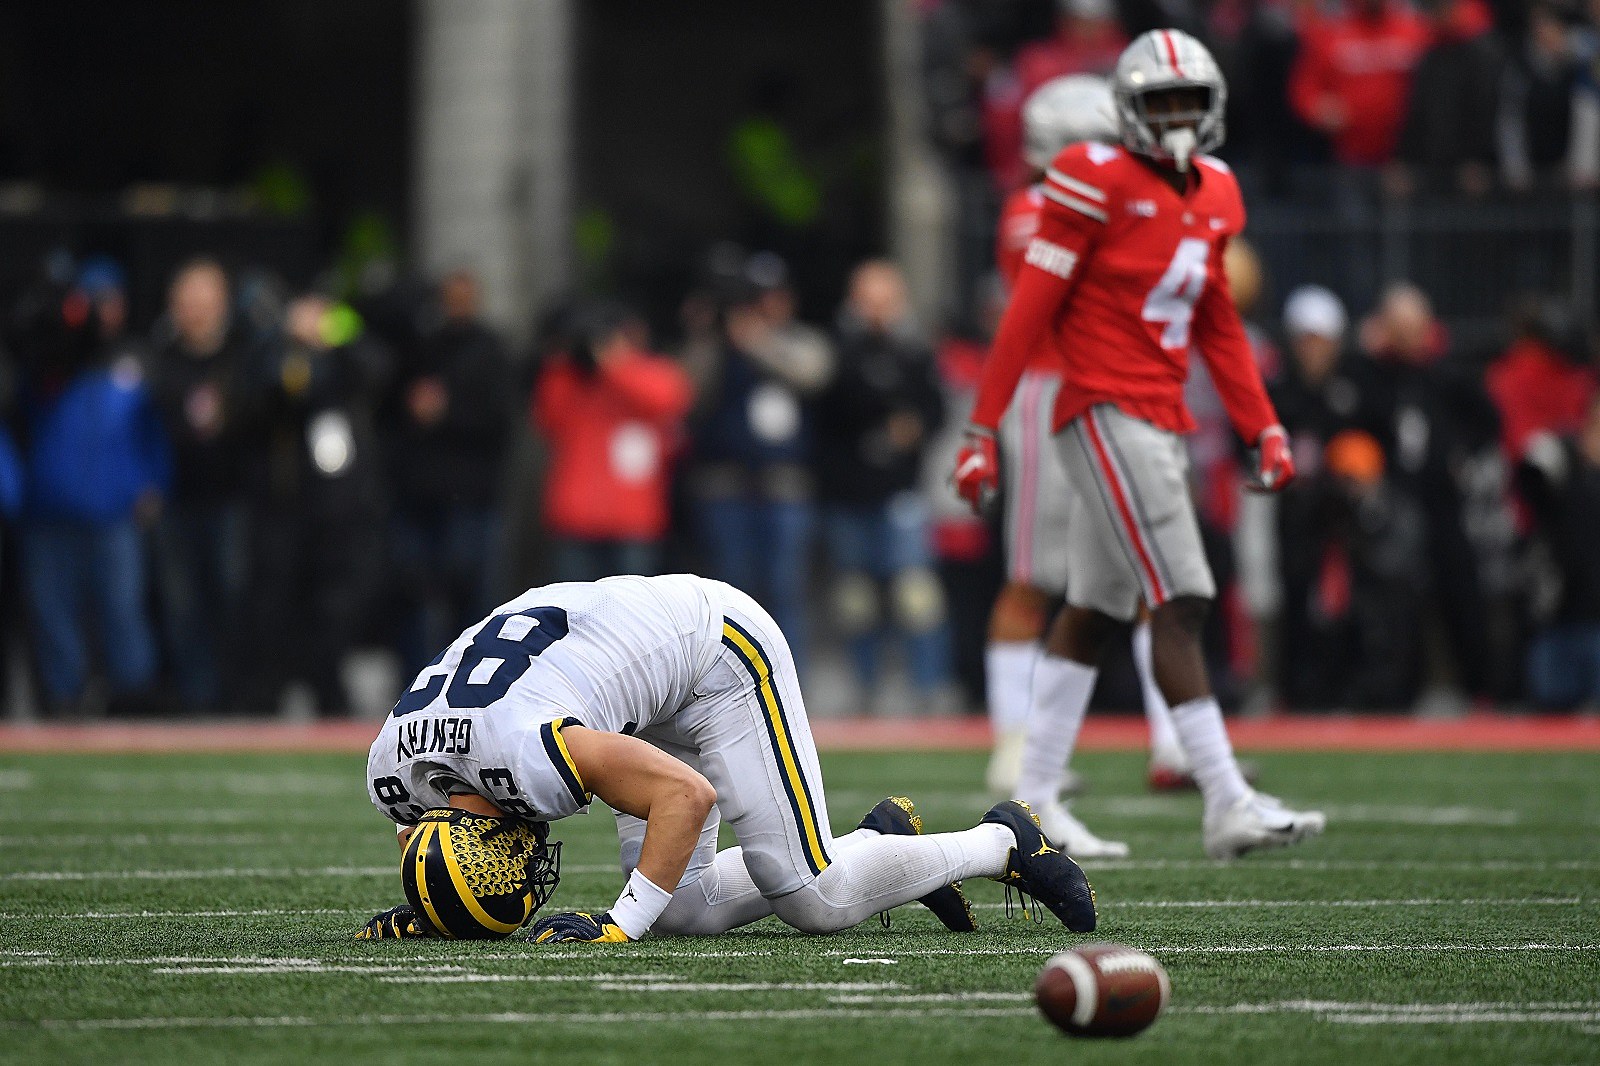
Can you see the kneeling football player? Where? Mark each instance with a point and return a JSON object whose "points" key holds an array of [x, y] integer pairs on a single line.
{"points": [[675, 701]]}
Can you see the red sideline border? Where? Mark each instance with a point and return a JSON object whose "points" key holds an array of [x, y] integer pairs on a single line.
{"points": [[1481, 732]]}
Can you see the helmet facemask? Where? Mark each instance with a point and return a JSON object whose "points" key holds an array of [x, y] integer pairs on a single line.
{"points": [[1174, 115]]}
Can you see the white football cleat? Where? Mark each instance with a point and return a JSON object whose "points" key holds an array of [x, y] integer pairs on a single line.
{"points": [[1257, 820], [1074, 838], [1005, 762]]}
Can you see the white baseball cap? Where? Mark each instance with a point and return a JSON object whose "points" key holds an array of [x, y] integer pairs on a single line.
{"points": [[1315, 310]]}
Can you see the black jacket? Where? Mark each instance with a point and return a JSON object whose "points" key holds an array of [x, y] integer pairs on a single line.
{"points": [[1565, 498], [879, 376], [213, 408], [457, 460]]}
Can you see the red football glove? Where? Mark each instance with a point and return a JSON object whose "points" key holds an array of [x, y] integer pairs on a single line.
{"points": [[1274, 465], [977, 473]]}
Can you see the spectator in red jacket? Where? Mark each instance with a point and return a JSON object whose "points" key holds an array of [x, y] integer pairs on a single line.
{"points": [[612, 414], [1543, 383], [1352, 78]]}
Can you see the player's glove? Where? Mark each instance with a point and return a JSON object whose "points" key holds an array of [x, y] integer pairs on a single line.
{"points": [[1274, 465], [977, 473], [396, 923], [577, 926]]}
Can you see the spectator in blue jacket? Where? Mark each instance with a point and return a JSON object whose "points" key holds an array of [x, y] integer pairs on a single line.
{"points": [[96, 465], [751, 480], [10, 477]]}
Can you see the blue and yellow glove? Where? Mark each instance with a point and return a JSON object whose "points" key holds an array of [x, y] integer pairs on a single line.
{"points": [[577, 926], [396, 923]]}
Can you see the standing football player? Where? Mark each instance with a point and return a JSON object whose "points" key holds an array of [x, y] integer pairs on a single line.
{"points": [[675, 701], [1123, 277], [1038, 499]]}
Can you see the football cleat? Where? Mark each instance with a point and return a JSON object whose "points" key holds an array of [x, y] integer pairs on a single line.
{"points": [[1060, 825], [577, 927], [897, 816], [1040, 869], [1257, 821], [396, 923]]}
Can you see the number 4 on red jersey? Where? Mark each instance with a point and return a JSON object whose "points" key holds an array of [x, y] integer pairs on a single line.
{"points": [[1123, 279]]}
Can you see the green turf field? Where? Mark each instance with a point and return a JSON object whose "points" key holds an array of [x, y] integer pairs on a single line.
{"points": [[183, 909]]}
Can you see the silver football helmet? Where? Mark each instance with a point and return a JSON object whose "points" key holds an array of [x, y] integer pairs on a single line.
{"points": [[1065, 111], [1162, 60]]}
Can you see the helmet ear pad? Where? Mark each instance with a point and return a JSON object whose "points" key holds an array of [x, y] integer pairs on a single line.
{"points": [[473, 877]]}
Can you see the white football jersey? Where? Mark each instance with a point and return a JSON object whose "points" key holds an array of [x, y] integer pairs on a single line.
{"points": [[618, 655]]}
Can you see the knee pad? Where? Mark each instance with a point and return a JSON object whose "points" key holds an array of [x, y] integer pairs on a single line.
{"points": [[855, 604], [918, 600], [808, 911]]}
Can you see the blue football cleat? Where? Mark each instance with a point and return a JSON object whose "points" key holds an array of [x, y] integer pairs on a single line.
{"points": [[1040, 869]]}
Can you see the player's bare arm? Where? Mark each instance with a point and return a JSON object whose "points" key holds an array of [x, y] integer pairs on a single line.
{"points": [[642, 780]]}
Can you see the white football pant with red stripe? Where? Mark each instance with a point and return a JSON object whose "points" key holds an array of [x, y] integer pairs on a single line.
{"points": [[1135, 534]]}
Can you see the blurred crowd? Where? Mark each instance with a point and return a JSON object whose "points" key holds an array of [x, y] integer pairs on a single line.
{"points": [[1449, 97], [204, 513], [200, 515], [1360, 111]]}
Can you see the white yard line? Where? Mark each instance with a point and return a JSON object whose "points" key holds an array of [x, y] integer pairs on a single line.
{"points": [[1569, 1013], [1315, 865], [264, 912], [535, 954], [924, 1006], [1160, 807], [515, 1018], [1580, 1012], [937, 997], [1347, 865], [1315, 1006], [239, 873], [294, 968], [537, 978], [15, 780], [1213, 904], [1153, 904], [644, 983], [114, 837]]}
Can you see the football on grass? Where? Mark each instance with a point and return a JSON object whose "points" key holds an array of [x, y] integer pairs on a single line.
{"points": [[1102, 990]]}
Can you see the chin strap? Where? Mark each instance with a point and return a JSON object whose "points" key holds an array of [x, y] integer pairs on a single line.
{"points": [[1180, 143]]}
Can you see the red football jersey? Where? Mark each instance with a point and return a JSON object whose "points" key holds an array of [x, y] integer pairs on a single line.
{"points": [[1019, 224], [1123, 277]]}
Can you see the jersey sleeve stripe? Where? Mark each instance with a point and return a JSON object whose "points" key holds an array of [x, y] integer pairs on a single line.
{"points": [[556, 748], [1083, 207], [1071, 184], [754, 659]]}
